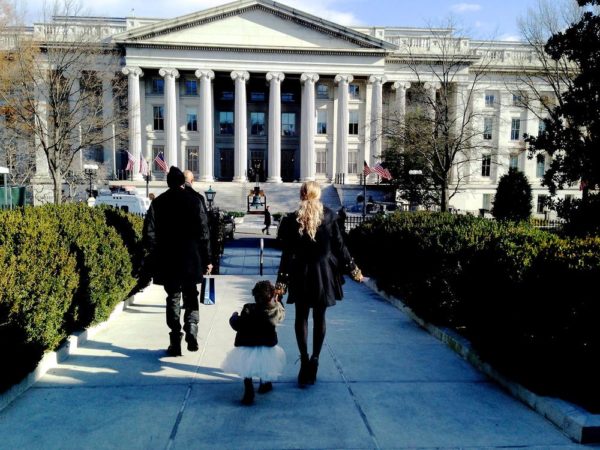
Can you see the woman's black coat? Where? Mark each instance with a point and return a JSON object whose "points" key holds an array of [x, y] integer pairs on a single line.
{"points": [[177, 238], [313, 270]]}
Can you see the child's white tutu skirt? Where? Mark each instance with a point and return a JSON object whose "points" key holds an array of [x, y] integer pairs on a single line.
{"points": [[260, 362]]}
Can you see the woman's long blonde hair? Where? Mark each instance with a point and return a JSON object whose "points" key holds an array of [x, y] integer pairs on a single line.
{"points": [[310, 213]]}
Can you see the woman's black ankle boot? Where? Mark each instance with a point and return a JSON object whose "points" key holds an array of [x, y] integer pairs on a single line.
{"points": [[304, 371], [313, 366], [248, 397]]}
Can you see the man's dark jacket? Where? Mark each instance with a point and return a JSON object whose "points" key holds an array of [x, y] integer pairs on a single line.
{"points": [[177, 237]]}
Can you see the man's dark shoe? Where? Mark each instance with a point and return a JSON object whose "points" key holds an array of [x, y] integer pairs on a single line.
{"points": [[192, 342], [175, 344]]}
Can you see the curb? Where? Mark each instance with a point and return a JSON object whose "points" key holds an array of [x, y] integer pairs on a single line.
{"points": [[51, 359], [577, 423]]}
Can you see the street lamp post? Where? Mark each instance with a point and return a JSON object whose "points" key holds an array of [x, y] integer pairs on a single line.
{"points": [[210, 197], [90, 170], [4, 171], [148, 175]]}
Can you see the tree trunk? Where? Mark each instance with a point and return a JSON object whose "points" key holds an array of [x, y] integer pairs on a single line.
{"points": [[445, 197], [57, 187]]}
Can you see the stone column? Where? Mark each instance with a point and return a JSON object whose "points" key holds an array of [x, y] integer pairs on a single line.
{"points": [[401, 87], [431, 88], [307, 139], [109, 120], [205, 126], [135, 116], [376, 114], [171, 149], [274, 79], [240, 167], [342, 124]]}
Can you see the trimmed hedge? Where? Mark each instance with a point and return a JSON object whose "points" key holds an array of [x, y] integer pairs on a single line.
{"points": [[524, 297], [63, 268]]}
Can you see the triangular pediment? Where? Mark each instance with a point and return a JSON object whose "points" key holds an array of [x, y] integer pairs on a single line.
{"points": [[253, 24]]}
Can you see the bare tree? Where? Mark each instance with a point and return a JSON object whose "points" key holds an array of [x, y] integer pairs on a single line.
{"points": [[441, 129], [55, 90]]}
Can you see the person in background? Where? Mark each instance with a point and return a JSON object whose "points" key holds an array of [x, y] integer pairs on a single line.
{"points": [[267, 220], [176, 239], [313, 259]]}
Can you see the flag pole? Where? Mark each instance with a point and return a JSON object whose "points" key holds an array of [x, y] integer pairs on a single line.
{"points": [[364, 212]]}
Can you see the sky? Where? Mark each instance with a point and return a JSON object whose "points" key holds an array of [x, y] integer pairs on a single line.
{"points": [[478, 19]]}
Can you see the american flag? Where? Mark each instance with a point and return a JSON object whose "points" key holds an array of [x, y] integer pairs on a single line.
{"points": [[160, 162], [367, 170], [130, 162], [144, 170], [382, 171]]}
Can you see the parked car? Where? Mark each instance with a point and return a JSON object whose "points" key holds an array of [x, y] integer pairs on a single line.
{"points": [[132, 203]]}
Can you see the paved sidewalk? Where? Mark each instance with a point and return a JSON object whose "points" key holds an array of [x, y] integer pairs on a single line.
{"points": [[383, 383]]}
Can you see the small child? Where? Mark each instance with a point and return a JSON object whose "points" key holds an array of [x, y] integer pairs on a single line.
{"points": [[256, 353]]}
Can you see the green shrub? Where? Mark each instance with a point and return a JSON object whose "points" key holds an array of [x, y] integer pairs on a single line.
{"points": [[513, 197], [39, 278], [103, 260], [524, 297]]}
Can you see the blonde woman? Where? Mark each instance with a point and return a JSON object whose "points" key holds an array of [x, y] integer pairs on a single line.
{"points": [[313, 261]]}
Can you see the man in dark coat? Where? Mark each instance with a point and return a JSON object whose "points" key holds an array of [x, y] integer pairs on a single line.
{"points": [[176, 237], [267, 220]]}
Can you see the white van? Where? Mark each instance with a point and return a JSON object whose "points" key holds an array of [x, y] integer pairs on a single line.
{"points": [[132, 203]]}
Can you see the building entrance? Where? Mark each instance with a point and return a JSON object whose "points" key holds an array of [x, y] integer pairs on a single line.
{"points": [[257, 166]]}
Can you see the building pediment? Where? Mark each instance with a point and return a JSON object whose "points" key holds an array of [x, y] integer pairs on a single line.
{"points": [[256, 25]]}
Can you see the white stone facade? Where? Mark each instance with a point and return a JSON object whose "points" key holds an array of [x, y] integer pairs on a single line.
{"points": [[257, 89]]}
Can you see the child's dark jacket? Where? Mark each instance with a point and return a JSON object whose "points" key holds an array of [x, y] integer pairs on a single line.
{"points": [[255, 325]]}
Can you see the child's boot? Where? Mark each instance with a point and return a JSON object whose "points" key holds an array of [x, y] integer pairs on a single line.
{"points": [[248, 397], [265, 387]]}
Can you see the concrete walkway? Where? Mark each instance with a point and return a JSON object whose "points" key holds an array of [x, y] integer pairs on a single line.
{"points": [[383, 383]]}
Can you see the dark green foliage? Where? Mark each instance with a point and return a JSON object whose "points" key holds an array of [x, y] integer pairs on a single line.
{"points": [[513, 197], [581, 215], [63, 268], [527, 299]]}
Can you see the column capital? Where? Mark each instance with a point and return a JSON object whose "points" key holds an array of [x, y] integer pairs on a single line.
{"points": [[309, 77], [208, 74], [132, 71], [275, 76], [432, 85], [166, 72], [373, 79], [344, 78], [401, 85], [240, 74]]}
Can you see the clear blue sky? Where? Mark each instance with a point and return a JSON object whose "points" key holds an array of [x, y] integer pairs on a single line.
{"points": [[480, 18]]}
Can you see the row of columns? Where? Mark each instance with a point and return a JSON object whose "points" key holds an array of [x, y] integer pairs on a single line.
{"points": [[205, 124]]}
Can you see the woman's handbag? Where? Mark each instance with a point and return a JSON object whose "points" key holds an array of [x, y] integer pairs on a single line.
{"points": [[208, 293]]}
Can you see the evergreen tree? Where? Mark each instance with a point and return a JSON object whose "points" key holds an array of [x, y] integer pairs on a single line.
{"points": [[513, 197]]}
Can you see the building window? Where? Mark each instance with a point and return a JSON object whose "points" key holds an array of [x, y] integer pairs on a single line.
{"points": [[156, 149], [288, 124], [321, 162], [159, 118], [190, 87], [321, 122], [541, 127], [490, 99], [542, 200], [540, 166], [158, 86], [226, 122], [515, 129], [257, 123], [257, 96], [517, 100], [486, 165], [227, 95], [191, 115], [287, 97], [322, 91], [353, 122], [354, 91], [514, 162], [192, 158], [352, 162], [487, 202], [488, 124]]}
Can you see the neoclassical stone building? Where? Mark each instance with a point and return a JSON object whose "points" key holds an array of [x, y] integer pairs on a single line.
{"points": [[254, 88]]}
